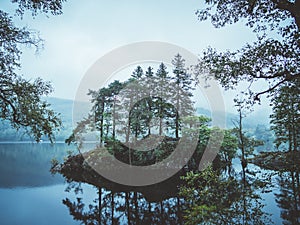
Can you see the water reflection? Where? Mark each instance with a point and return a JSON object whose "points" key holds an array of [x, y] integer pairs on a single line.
{"points": [[289, 197], [125, 207], [232, 198], [27, 164]]}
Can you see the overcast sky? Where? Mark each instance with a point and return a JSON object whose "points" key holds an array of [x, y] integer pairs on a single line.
{"points": [[89, 29]]}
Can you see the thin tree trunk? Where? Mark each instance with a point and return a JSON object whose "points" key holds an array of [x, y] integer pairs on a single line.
{"points": [[293, 125], [100, 204], [112, 208], [245, 211], [294, 192], [101, 123], [136, 207], [179, 211], [128, 134], [298, 190], [244, 162], [161, 213], [114, 119], [177, 116], [160, 117], [150, 116], [127, 207]]}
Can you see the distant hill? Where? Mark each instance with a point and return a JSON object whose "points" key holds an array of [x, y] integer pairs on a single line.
{"points": [[62, 106], [65, 108], [249, 122]]}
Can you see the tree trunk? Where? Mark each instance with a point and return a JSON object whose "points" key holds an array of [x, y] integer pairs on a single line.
{"points": [[112, 208], [114, 119], [101, 123], [177, 116], [161, 213], [127, 207], [179, 211], [136, 207], [100, 204], [150, 116], [244, 161]]}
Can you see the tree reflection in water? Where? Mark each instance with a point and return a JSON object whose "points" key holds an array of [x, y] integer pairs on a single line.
{"points": [[215, 197], [126, 207], [289, 197], [226, 197]]}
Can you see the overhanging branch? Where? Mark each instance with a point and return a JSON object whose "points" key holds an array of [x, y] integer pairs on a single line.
{"points": [[288, 77], [292, 8]]}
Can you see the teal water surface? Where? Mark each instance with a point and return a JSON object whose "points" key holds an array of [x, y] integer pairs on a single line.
{"points": [[30, 194]]}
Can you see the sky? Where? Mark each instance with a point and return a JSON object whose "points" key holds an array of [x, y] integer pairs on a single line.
{"points": [[89, 29]]}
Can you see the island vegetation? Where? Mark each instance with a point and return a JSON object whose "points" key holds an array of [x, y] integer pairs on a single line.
{"points": [[141, 121]]}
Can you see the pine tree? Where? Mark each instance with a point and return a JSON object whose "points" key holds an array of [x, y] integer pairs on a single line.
{"points": [[163, 91], [183, 91], [114, 89], [138, 110], [138, 73], [286, 115], [149, 84], [149, 73]]}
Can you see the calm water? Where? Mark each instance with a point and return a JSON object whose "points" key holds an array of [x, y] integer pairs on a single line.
{"points": [[30, 194]]}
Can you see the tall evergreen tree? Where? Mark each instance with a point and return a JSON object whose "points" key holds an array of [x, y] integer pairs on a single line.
{"points": [[183, 91], [149, 72], [163, 90], [114, 89], [100, 99], [149, 84], [286, 115], [138, 73], [138, 108]]}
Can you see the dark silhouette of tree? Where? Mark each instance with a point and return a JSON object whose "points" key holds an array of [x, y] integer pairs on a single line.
{"points": [[285, 118], [212, 198], [100, 101], [121, 207], [289, 197], [20, 99], [183, 90], [163, 90], [269, 59]]}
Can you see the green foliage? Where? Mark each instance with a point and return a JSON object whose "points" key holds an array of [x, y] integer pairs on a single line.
{"points": [[136, 107], [182, 92], [20, 99], [53, 7], [149, 113], [208, 197], [275, 61], [212, 197], [249, 142], [229, 146], [259, 14], [288, 197], [286, 116], [200, 125], [54, 164]]}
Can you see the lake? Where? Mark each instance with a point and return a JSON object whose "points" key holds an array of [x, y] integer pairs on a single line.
{"points": [[30, 194]]}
